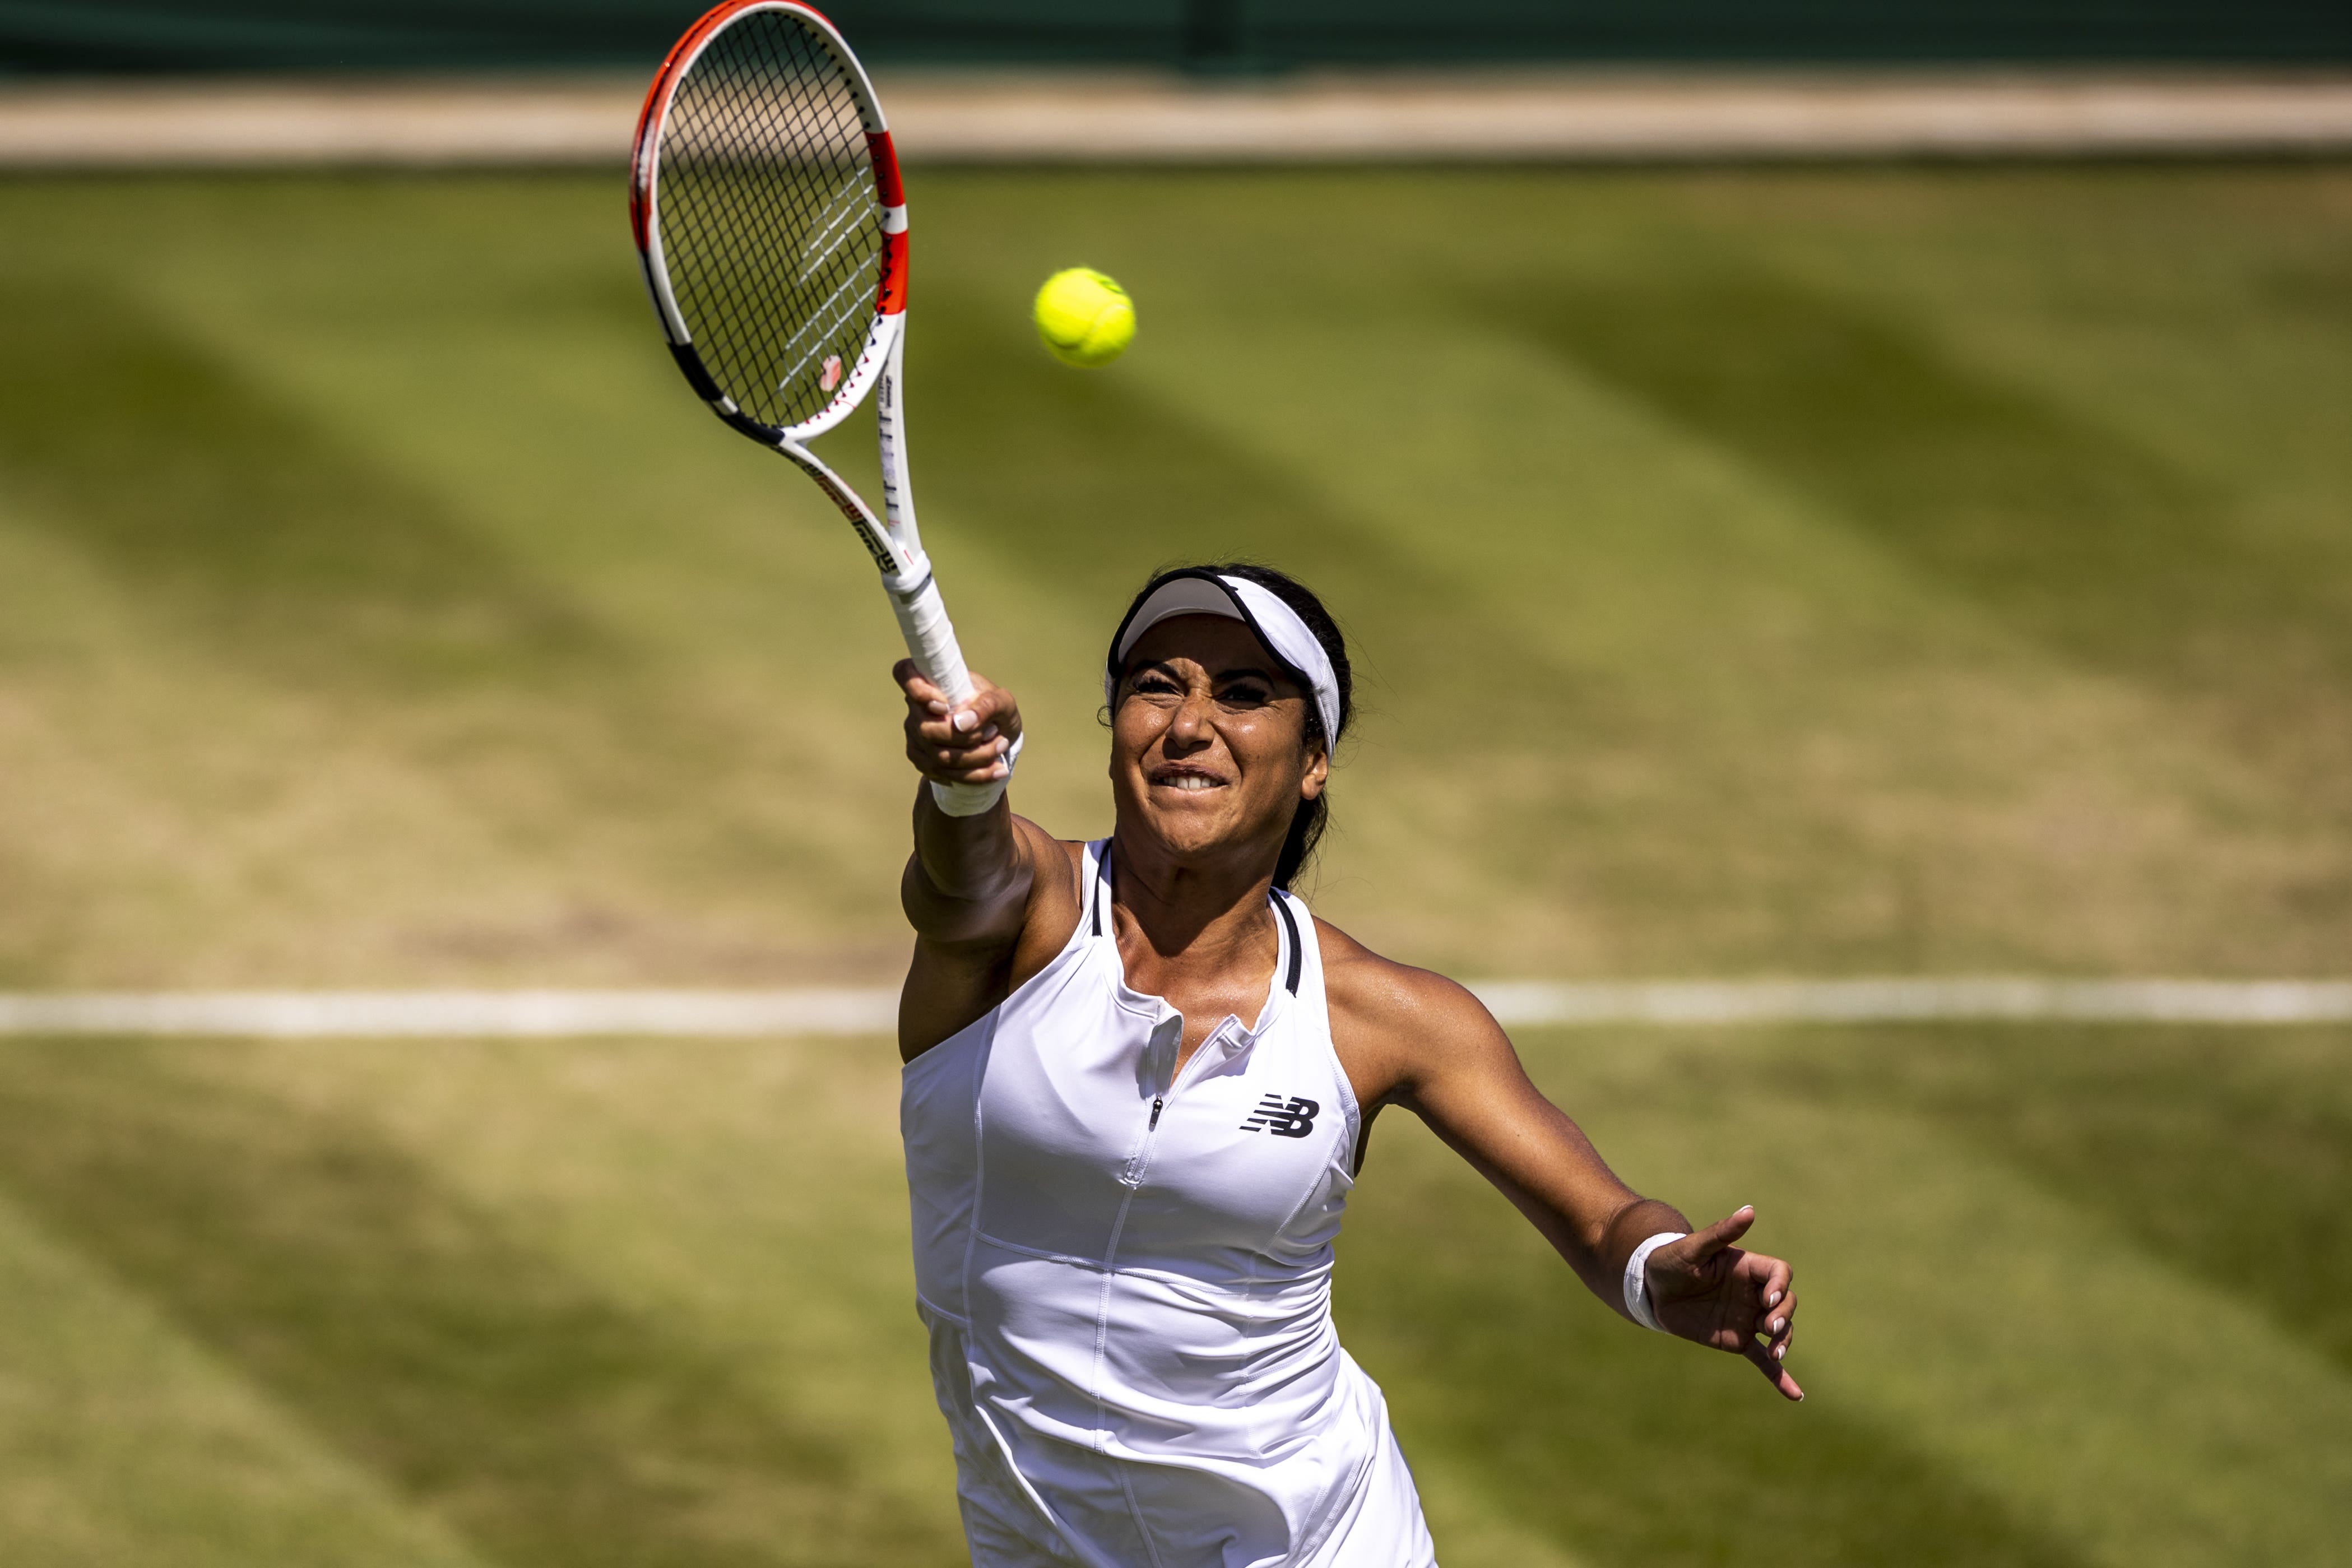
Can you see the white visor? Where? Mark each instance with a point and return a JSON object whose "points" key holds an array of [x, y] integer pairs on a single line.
{"points": [[1275, 624]]}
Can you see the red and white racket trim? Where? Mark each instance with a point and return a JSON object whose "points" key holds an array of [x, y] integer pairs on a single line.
{"points": [[893, 541], [645, 216]]}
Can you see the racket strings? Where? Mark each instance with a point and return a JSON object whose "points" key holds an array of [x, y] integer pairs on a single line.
{"points": [[771, 119], [771, 230], [737, 122]]}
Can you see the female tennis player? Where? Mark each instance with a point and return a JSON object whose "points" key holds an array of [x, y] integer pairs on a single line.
{"points": [[1140, 1080]]}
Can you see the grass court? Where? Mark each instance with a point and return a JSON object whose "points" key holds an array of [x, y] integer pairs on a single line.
{"points": [[1818, 573]]}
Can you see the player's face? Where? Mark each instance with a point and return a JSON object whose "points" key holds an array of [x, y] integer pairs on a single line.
{"points": [[1208, 739]]}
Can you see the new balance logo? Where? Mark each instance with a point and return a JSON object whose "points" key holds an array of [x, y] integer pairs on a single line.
{"points": [[1294, 1118]]}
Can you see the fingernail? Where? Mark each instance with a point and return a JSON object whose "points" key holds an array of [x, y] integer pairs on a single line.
{"points": [[1780, 1323], [1773, 1300], [967, 720], [1779, 1351]]}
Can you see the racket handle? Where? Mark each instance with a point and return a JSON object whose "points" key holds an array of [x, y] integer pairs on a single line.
{"points": [[931, 639]]}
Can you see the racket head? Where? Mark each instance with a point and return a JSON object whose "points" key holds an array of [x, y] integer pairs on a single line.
{"points": [[770, 219]]}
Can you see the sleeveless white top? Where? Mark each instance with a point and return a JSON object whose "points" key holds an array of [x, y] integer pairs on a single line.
{"points": [[1126, 1276]]}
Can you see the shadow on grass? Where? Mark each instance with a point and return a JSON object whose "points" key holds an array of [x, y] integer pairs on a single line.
{"points": [[254, 533], [2228, 1154], [1618, 1446], [483, 1382], [2087, 542]]}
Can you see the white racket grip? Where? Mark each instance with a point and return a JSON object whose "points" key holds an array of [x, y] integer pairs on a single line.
{"points": [[930, 638]]}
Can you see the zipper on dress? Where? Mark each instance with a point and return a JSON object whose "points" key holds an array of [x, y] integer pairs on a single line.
{"points": [[1154, 1123]]}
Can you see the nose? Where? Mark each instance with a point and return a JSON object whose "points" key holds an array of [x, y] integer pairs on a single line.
{"points": [[1189, 730]]}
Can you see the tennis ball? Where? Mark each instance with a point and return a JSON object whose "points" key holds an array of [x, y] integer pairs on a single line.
{"points": [[1083, 318]]}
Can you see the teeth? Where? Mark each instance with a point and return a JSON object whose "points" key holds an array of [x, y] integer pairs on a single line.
{"points": [[1189, 782]]}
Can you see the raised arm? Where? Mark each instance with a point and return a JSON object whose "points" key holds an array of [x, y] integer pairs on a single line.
{"points": [[975, 886], [1429, 1046]]}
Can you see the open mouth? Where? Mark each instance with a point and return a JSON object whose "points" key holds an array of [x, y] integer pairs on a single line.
{"points": [[1190, 781]]}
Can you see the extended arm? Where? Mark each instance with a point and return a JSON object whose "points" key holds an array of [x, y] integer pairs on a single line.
{"points": [[1436, 1051], [969, 877], [971, 888]]}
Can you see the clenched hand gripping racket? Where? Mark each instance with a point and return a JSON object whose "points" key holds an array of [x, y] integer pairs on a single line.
{"points": [[772, 229]]}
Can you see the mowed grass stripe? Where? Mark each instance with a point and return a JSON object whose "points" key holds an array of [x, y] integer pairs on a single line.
{"points": [[725, 1192], [2022, 1375], [1738, 701], [482, 1381], [2103, 1380], [1773, 733], [2224, 1154], [1656, 587], [1791, 665], [411, 699], [2137, 1412], [1531, 1406], [124, 1440], [746, 1195]]}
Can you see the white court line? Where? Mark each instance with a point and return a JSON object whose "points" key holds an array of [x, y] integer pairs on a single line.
{"points": [[1986, 999], [313, 1014], [301, 1014]]}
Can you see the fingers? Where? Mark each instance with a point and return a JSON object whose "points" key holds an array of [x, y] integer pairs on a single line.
{"points": [[911, 680], [1702, 1245], [1736, 1300], [990, 704], [963, 759], [1777, 1325], [980, 765], [958, 745], [1705, 1288], [1774, 1328], [1774, 1373], [1774, 1288]]}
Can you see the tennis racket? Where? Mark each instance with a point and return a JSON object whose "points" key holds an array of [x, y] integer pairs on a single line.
{"points": [[771, 225]]}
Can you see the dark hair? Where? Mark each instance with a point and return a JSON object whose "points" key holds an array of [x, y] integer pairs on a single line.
{"points": [[1307, 823]]}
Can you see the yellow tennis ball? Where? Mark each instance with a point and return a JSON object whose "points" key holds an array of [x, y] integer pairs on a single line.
{"points": [[1083, 318]]}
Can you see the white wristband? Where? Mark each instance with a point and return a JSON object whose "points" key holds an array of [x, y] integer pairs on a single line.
{"points": [[970, 800], [1637, 1279]]}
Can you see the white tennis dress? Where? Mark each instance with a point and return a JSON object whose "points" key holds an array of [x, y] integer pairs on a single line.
{"points": [[1127, 1277]]}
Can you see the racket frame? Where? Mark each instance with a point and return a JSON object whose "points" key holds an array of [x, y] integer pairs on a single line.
{"points": [[893, 540]]}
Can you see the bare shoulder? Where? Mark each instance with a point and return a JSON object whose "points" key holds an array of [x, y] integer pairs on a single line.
{"points": [[949, 984], [1054, 896], [1050, 853], [1393, 1022], [1369, 989]]}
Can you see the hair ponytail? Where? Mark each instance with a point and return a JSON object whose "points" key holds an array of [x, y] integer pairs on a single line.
{"points": [[1299, 845]]}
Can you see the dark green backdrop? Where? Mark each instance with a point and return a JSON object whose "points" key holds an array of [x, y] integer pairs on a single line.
{"points": [[263, 34]]}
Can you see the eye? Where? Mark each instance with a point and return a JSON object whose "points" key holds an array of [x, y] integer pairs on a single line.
{"points": [[1152, 683], [1247, 694]]}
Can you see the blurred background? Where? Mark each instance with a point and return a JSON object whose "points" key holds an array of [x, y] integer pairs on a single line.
{"points": [[1818, 492], [245, 34]]}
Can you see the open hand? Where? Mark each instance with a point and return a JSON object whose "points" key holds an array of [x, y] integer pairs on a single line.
{"points": [[1704, 1289], [966, 746]]}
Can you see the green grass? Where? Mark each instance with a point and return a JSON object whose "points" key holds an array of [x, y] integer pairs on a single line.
{"points": [[617, 1303], [1840, 571]]}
